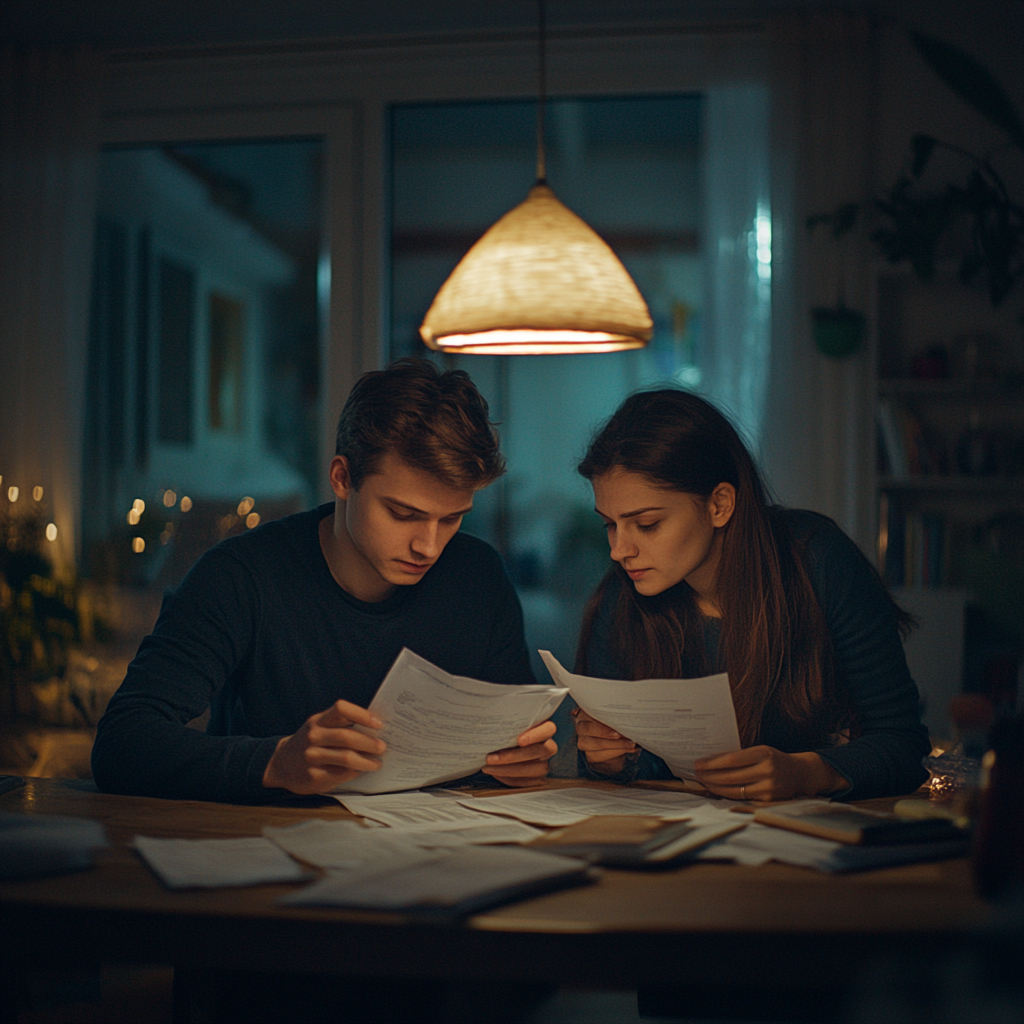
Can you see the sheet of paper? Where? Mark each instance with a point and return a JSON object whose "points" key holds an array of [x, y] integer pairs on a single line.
{"points": [[413, 810], [346, 845], [445, 881], [553, 807], [207, 863], [440, 727], [680, 720], [759, 843]]}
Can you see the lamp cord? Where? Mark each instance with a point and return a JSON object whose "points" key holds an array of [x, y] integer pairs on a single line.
{"points": [[541, 93]]}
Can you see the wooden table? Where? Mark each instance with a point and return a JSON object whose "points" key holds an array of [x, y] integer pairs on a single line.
{"points": [[774, 926]]}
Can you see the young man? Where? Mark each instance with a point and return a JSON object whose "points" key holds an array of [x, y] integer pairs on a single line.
{"points": [[288, 630]]}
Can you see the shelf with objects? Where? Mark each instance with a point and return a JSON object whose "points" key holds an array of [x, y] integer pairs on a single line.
{"points": [[949, 480]]}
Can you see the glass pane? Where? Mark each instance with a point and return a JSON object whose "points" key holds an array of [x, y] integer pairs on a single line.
{"points": [[203, 399], [631, 167]]}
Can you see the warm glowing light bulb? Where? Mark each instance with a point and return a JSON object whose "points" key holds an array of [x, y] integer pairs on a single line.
{"points": [[37, 493], [139, 505], [12, 494], [169, 499], [186, 503], [245, 506], [252, 519], [51, 531], [133, 517], [138, 545]]}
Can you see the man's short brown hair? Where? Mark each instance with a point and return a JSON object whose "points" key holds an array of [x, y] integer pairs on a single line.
{"points": [[437, 422]]}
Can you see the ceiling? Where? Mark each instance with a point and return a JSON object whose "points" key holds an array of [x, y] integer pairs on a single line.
{"points": [[143, 24]]}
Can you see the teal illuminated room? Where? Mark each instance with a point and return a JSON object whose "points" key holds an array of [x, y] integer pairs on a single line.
{"points": [[807, 223]]}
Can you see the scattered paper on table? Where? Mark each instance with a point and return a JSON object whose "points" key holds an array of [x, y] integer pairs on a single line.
{"points": [[679, 720], [553, 807], [209, 863], [446, 881], [757, 844], [437, 810], [344, 844], [440, 727]]}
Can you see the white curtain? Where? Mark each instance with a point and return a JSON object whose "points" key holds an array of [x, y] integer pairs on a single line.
{"points": [[49, 157], [817, 434], [736, 347]]}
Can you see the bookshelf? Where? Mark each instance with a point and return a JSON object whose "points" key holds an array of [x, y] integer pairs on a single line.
{"points": [[949, 473]]}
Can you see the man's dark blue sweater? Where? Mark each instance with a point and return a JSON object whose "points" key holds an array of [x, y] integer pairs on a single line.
{"points": [[260, 632]]}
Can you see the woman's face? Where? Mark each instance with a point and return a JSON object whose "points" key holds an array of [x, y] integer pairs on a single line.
{"points": [[660, 536]]}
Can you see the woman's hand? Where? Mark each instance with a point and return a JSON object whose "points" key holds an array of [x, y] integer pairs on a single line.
{"points": [[606, 749], [764, 773]]}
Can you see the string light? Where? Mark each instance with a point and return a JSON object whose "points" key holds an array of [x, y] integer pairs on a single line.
{"points": [[133, 517], [138, 545], [37, 493], [245, 506], [51, 531], [12, 494], [252, 519], [186, 503], [139, 505], [169, 498]]}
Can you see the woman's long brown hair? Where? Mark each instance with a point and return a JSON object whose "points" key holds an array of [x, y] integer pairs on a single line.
{"points": [[774, 641]]}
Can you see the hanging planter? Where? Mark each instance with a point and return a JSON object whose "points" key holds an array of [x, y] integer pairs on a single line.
{"points": [[838, 332]]}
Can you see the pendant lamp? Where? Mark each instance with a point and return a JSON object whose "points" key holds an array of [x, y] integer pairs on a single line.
{"points": [[540, 281]]}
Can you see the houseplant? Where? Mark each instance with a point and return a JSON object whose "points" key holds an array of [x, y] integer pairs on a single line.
{"points": [[972, 217]]}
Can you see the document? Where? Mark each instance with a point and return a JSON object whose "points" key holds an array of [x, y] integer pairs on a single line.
{"points": [[680, 720], [415, 810], [440, 727], [449, 885], [209, 863], [346, 845], [556, 807]]}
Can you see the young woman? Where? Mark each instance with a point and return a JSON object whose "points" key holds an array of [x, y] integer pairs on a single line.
{"points": [[709, 577]]}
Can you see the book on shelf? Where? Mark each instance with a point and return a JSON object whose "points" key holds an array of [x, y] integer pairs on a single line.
{"points": [[906, 448], [913, 547]]}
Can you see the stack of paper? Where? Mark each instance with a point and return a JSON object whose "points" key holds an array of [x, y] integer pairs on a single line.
{"points": [[451, 884]]}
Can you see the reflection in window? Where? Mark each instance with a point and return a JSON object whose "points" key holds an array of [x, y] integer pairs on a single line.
{"points": [[205, 352], [657, 177], [227, 325]]}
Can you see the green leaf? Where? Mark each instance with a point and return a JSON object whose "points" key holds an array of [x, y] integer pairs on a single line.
{"points": [[972, 82]]}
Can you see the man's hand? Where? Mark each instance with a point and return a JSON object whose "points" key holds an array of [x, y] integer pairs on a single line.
{"points": [[764, 773], [526, 763], [606, 749], [326, 751]]}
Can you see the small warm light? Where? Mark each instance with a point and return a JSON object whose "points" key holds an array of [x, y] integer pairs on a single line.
{"points": [[133, 517], [37, 493], [167, 534], [51, 531], [252, 519], [139, 505], [245, 506], [12, 494], [138, 545], [169, 499], [942, 787], [186, 503]]}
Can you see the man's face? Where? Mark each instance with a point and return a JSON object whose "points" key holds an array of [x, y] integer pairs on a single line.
{"points": [[393, 527]]}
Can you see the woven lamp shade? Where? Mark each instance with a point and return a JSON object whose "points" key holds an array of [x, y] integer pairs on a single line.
{"points": [[539, 282]]}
